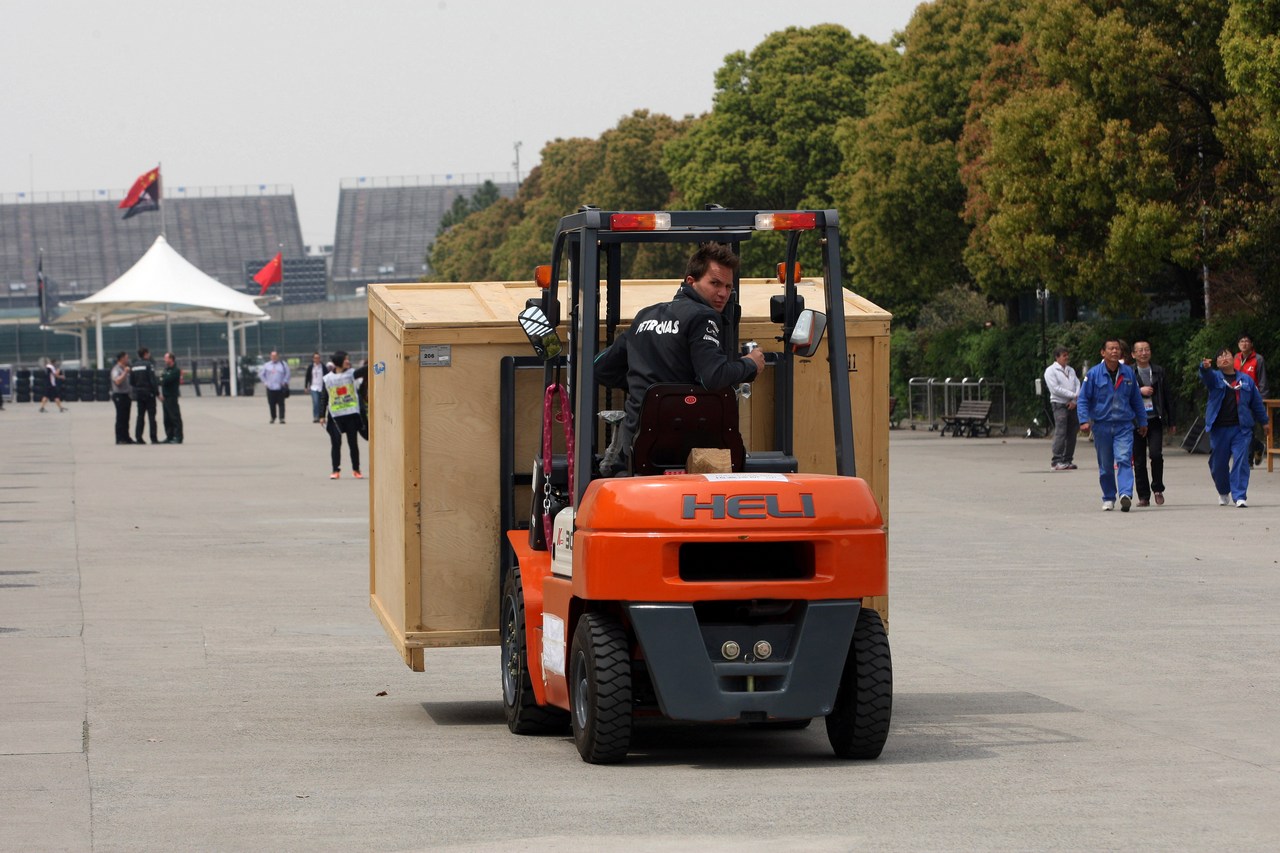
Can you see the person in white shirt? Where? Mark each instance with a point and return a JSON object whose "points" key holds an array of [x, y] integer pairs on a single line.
{"points": [[275, 376], [1064, 386]]}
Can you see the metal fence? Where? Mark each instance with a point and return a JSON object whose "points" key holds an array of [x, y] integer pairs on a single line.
{"points": [[27, 345], [930, 400]]}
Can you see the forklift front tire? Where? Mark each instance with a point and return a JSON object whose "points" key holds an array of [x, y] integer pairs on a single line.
{"points": [[600, 689], [858, 724]]}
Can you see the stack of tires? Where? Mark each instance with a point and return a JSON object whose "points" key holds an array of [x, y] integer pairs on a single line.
{"points": [[102, 385], [70, 386], [84, 389], [22, 386], [39, 384]]}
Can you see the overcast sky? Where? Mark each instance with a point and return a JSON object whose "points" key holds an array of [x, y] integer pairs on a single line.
{"points": [[236, 93]]}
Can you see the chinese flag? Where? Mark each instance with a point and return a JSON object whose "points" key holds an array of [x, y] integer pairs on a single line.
{"points": [[144, 195], [270, 274]]}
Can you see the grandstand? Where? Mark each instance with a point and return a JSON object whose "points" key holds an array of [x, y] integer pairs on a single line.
{"points": [[384, 230], [88, 244], [301, 279], [387, 225]]}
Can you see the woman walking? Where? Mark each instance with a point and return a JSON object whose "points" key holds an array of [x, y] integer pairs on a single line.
{"points": [[342, 414]]}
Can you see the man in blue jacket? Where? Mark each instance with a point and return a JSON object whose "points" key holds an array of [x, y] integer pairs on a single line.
{"points": [[1110, 405], [1234, 406]]}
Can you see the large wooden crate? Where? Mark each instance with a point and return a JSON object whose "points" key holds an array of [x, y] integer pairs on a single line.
{"points": [[436, 349]]}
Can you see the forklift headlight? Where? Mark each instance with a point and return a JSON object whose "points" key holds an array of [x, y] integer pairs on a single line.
{"points": [[730, 650]]}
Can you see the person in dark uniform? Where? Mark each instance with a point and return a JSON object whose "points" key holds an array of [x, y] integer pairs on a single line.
{"points": [[170, 387], [142, 376], [689, 339]]}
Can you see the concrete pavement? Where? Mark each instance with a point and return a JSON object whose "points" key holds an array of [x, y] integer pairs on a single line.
{"points": [[188, 662]]}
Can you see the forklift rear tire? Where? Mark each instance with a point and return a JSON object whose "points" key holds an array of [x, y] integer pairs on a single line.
{"points": [[524, 715], [600, 689], [858, 725]]}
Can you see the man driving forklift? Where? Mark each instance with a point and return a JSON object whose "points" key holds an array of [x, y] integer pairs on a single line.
{"points": [[688, 339]]}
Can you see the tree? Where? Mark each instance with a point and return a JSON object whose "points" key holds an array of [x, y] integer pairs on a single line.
{"points": [[463, 206], [769, 141], [1249, 126], [898, 190], [620, 170], [1091, 155]]}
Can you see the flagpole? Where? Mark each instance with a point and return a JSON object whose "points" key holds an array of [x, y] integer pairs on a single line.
{"points": [[40, 288], [160, 199], [280, 248]]}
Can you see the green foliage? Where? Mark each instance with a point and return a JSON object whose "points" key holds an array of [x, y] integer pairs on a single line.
{"points": [[1091, 168], [898, 189], [769, 142], [960, 307], [1016, 356], [463, 206], [1107, 149], [620, 170]]}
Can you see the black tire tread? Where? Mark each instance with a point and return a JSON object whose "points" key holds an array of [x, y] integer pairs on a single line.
{"points": [[525, 716], [858, 725], [607, 738]]}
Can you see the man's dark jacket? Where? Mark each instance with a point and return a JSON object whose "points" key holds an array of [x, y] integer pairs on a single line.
{"points": [[142, 376], [1161, 399], [684, 340]]}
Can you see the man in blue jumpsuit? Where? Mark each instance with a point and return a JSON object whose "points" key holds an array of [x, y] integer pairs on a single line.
{"points": [[1233, 408], [1109, 405]]}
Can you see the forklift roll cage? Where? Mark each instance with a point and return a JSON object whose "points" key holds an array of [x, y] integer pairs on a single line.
{"points": [[586, 241]]}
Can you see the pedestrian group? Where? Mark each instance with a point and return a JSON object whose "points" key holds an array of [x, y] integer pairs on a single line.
{"points": [[1126, 404]]}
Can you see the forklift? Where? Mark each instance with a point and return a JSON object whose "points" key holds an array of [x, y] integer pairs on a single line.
{"points": [[730, 594]]}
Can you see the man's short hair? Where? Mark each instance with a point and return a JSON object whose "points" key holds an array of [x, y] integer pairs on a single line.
{"points": [[1245, 336], [121, 355], [143, 352], [707, 254], [339, 357], [1226, 351], [1057, 351], [1109, 340]]}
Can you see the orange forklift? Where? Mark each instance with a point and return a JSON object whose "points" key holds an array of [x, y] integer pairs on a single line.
{"points": [[730, 596]]}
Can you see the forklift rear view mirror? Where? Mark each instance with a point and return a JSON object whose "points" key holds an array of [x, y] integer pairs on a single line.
{"points": [[542, 335], [807, 334]]}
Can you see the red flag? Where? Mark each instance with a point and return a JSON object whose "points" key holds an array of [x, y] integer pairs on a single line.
{"points": [[271, 273], [144, 195]]}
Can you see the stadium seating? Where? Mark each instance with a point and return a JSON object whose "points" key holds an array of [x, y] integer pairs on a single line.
{"points": [[384, 232]]}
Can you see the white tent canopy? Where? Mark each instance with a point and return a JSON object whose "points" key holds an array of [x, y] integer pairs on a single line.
{"points": [[163, 283]]}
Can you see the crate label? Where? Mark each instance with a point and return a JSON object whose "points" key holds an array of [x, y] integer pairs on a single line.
{"points": [[435, 355]]}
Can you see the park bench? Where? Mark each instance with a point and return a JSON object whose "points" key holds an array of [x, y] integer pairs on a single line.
{"points": [[969, 419]]}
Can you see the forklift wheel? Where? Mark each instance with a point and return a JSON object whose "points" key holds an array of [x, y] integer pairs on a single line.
{"points": [[524, 715], [858, 725], [600, 689]]}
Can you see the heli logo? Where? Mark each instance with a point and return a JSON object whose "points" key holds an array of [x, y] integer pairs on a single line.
{"points": [[747, 507]]}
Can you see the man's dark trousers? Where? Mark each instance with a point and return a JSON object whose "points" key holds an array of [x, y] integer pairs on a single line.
{"points": [[276, 399], [146, 409], [1152, 444], [172, 419], [123, 405]]}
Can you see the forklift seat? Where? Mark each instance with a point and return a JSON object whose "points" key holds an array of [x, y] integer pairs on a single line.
{"points": [[675, 418]]}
